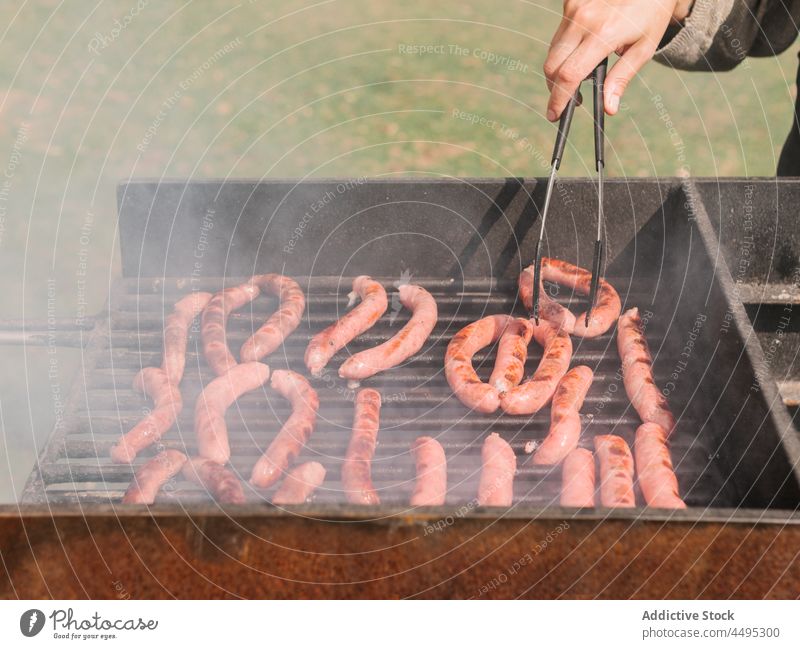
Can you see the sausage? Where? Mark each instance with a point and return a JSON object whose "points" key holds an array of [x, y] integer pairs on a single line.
{"points": [[616, 471], [565, 420], [214, 319], [154, 382], [218, 480], [458, 370], [176, 333], [214, 400], [607, 305], [431, 486], [509, 368], [300, 484], [407, 342], [356, 468], [549, 310], [281, 323], [499, 464], [151, 476], [294, 433], [535, 393], [329, 341], [577, 479], [654, 467], [637, 372]]}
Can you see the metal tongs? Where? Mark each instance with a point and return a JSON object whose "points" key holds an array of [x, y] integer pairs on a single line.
{"points": [[598, 78]]}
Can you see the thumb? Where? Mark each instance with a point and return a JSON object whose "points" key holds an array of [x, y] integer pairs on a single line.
{"points": [[626, 67]]}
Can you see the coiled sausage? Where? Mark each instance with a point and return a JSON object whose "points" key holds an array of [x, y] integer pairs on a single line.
{"points": [[280, 324], [329, 341]]}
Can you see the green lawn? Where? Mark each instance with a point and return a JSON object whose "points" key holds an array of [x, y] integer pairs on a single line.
{"points": [[294, 89]]}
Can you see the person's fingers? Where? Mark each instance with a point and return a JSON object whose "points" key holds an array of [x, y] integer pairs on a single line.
{"points": [[565, 40], [620, 75], [575, 68]]}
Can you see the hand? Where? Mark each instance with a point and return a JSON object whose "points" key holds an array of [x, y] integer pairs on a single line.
{"points": [[591, 30]]}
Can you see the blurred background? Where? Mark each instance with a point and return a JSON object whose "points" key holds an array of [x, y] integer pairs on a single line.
{"points": [[94, 92]]}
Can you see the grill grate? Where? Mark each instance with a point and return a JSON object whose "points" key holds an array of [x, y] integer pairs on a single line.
{"points": [[75, 465]]}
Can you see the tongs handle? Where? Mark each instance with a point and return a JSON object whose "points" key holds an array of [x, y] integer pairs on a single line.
{"points": [[563, 129], [598, 81]]}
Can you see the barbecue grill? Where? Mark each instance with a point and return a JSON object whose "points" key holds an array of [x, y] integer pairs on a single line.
{"points": [[736, 453]]}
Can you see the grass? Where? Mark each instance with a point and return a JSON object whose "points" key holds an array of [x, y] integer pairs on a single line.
{"points": [[323, 89]]}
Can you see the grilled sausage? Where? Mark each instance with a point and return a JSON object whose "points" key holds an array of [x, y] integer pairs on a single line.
{"points": [[356, 468], [499, 464], [281, 323], [577, 479], [535, 393], [151, 476], [565, 420], [616, 471], [637, 372], [512, 350], [431, 486], [607, 306], [549, 310], [214, 400], [154, 382], [654, 467], [329, 341], [300, 484], [213, 322], [294, 433], [461, 376], [218, 480], [408, 341], [176, 333]]}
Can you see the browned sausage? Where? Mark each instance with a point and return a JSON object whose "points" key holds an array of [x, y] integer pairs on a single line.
{"points": [[431, 486], [300, 484], [461, 376], [535, 393], [176, 333], [549, 310], [209, 412], [219, 481], [616, 471], [654, 467], [329, 341], [577, 479], [214, 320], [281, 323], [151, 476], [512, 350], [408, 341], [607, 306], [637, 372], [294, 433], [357, 465], [565, 420], [499, 464], [154, 382]]}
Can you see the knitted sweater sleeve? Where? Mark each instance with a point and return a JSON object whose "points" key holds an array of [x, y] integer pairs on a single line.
{"points": [[718, 34]]}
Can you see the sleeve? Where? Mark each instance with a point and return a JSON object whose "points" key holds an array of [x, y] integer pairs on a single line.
{"points": [[717, 35]]}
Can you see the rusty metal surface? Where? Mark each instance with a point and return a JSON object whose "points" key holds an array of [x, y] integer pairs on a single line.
{"points": [[254, 556]]}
